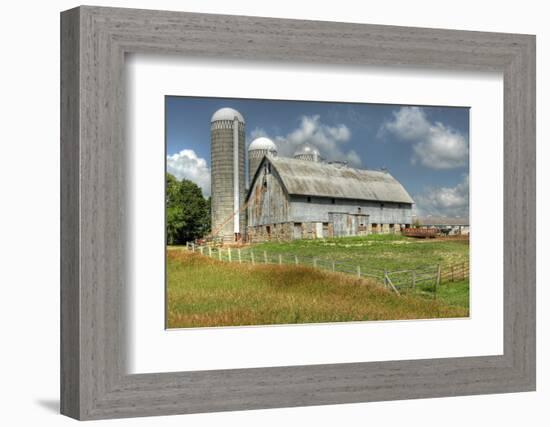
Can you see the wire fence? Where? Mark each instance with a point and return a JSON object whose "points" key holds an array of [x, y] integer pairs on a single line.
{"points": [[423, 280]]}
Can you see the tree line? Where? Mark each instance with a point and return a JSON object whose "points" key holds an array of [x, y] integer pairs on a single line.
{"points": [[187, 211]]}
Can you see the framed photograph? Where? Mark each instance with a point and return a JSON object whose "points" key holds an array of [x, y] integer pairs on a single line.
{"points": [[303, 203], [261, 213]]}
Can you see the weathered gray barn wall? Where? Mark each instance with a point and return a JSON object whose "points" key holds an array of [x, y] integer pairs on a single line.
{"points": [[254, 159], [346, 224], [290, 230], [318, 209], [268, 203], [261, 233]]}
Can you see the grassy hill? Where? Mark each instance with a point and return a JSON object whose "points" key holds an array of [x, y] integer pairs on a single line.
{"points": [[205, 292]]}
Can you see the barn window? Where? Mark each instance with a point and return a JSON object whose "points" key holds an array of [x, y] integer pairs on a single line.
{"points": [[359, 210], [381, 205], [333, 201], [308, 199]]}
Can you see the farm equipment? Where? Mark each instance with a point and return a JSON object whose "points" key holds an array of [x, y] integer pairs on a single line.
{"points": [[422, 233]]}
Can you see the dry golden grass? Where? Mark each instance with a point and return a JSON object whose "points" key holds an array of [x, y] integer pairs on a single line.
{"points": [[206, 292]]}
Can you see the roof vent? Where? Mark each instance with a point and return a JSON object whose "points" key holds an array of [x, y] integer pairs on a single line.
{"points": [[338, 163]]}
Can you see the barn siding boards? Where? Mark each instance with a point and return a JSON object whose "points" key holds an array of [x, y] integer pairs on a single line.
{"points": [[347, 224], [254, 159], [268, 201], [318, 209]]}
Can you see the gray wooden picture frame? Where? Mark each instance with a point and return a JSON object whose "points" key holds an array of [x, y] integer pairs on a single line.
{"points": [[94, 382]]}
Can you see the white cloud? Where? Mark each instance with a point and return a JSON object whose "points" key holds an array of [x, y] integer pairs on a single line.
{"points": [[329, 140], [257, 133], [445, 201], [186, 164], [409, 124], [434, 145]]}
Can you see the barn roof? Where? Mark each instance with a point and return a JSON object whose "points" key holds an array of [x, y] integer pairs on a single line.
{"points": [[302, 177]]}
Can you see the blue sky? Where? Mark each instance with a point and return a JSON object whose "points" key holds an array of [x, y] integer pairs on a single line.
{"points": [[425, 148]]}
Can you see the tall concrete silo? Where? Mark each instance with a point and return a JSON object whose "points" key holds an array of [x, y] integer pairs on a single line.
{"points": [[307, 152], [228, 178], [257, 150]]}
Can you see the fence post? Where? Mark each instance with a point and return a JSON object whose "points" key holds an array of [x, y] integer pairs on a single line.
{"points": [[229, 254], [239, 253], [358, 271], [280, 259], [463, 271], [210, 251], [296, 259], [333, 266], [252, 256], [220, 254], [437, 280], [265, 257], [201, 249], [315, 262], [193, 247]]}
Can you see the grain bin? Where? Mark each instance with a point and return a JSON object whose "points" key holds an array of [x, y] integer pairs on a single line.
{"points": [[227, 173], [258, 149]]}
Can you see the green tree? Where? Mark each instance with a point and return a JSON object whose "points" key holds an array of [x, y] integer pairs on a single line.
{"points": [[187, 211]]}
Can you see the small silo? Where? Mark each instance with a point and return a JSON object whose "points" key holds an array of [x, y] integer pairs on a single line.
{"points": [[258, 149], [227, 173], [307, 152]]}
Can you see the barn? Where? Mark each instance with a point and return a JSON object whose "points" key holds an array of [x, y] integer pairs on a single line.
{"points": [[303, 197], [306, 198]]}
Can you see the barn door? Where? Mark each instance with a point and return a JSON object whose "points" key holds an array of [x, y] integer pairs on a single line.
{"points": [[339, 223], [297, 230]]}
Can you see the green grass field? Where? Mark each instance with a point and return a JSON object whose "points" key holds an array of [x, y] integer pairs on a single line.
{"points": [[386, 252], [207, 292], [377, 251]]}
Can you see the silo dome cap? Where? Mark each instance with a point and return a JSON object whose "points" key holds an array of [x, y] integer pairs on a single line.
{"points": [[307, 149], [227, 113], [262, 143]]}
